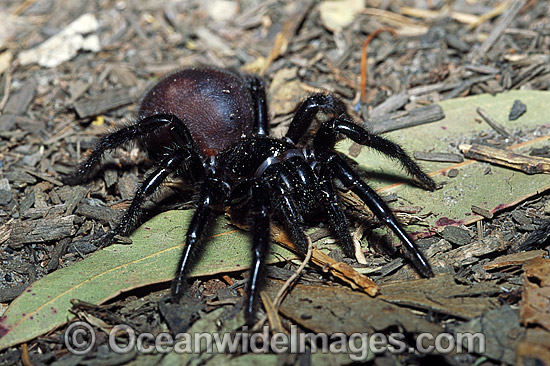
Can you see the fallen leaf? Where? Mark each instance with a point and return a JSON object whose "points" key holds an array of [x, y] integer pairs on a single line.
{"points": [[66, 44], [331, 309], [152, 258], [338, 14], [285, 91], [443, 295], [534, 348], [452, 204], [501, 332], [535, 297]]}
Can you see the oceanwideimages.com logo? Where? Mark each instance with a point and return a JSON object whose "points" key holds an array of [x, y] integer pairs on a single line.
{"points": [[80, 339]]}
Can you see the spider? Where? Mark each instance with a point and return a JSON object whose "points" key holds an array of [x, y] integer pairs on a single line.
{"points": [[210, 126]]}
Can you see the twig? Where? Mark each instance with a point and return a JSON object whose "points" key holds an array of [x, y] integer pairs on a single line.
{"points": [[438, 156], [272, 314], [282, 40], [446, 85], [399, 120], [503, 22], [491, 122], [356, 236], [340, 270], [282, 291], [25, 359], [6, 88], [525, 163], [491, 14], [364, 58]]}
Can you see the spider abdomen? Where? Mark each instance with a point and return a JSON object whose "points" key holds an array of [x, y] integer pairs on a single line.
{"points": [[214, 104]]}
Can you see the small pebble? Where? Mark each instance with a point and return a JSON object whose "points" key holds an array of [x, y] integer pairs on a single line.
{"points": [[452, 173], [517, 110]]}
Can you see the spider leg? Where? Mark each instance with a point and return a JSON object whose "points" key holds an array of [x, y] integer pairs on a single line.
{"points": [[260, 246], [213, 193], [148, 186], [282, 182], [306, 112], [257, 91], [124, 135], [341, 170], [326, 137], [337, 219]]}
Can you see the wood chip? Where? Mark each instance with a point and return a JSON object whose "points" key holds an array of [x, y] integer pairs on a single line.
{"points": [[525, 163], [110, 99], [482, 212], [97, 212], [415, 117], [45, 177], [19, 101], [283, 38], [503, 23], [516, 259], [44, 212], [469, 253], [40, 231], [438, 156], [491, 122], [518, 109]]}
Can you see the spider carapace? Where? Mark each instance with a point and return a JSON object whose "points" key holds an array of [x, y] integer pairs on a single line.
{"points": [[210, 126]]}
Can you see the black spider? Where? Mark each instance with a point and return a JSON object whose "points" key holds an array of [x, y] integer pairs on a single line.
{"points": [[210, 126]]}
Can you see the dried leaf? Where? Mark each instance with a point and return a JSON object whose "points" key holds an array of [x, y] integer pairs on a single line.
{"points": [[535, 298], [66, 44], [285, 91], [325, 309], [336, 15], [152, 258], [442, 294], [534, 348], [501, 331]]}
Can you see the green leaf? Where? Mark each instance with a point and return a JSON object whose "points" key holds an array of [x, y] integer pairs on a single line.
{"points": [[452, 204], [152, 258]]}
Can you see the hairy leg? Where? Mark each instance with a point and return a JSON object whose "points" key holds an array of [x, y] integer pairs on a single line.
{"points": [[341, 170], [125, 135], [327, 135]]}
